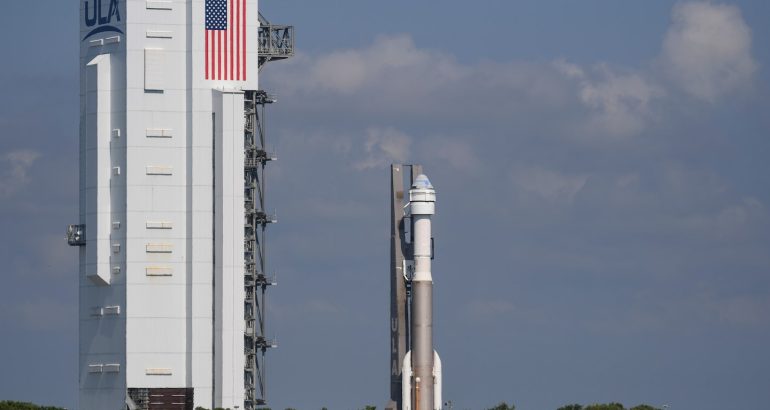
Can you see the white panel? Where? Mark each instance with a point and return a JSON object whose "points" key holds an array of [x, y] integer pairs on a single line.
{"points": [[168, 335], [156, 301], [159, 34], [159, 5], [154, 69], [159, 133], [203, 198], [156, 198], [159, 170], [158, 371], [137, 253], [159, 247], [202, 252], [95, 368], [165, 369], [159, 271], [159, 225]]}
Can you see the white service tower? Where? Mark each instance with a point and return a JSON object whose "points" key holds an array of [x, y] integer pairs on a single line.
{"points": [[170, 149]]}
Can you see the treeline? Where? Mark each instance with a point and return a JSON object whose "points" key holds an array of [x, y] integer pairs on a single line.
{"points": [[19, 405], [506, 406], [608, 406]]}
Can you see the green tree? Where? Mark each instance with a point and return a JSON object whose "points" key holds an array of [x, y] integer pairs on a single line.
{"points": [[18, 405], [606, 406], [369, 407], [503, 406], [609, 406]]}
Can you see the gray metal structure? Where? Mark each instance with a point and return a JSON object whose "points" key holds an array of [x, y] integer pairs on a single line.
{"points": [[76, 235], [256, 280], [275, 43], [400, 250]]}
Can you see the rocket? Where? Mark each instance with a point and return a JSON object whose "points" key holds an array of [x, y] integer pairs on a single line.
{"points": [[421, 369]]}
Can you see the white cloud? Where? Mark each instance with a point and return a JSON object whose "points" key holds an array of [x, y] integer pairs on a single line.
{"points": [[706, 53], [619, 102], [393, 77], [707, 50], [547, 184], [383, 146], [14, 170], [380, 65]]}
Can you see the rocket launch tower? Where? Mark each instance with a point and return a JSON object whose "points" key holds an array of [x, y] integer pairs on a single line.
{"points": [[171, 231]]}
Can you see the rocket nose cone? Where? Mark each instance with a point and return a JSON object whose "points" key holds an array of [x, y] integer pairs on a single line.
{"points": [[422, 182]]}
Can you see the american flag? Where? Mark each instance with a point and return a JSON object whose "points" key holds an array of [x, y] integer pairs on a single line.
{"points": [[226, 40]]}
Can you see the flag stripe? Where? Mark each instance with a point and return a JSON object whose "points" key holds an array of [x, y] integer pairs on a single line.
{"points": [[225, 51]]}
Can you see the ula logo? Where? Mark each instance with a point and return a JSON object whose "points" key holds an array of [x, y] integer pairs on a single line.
{"points": [[98, 14]]}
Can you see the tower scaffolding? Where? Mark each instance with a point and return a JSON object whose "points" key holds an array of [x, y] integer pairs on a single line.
{"points": [[256, 279]]}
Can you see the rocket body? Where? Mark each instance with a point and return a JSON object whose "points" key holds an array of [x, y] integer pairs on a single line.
{"points": [[421, 362]]}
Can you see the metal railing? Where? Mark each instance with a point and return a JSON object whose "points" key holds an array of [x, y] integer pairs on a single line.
{"points": [[276, 42]]}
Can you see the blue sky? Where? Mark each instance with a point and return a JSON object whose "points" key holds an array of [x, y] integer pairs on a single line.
{"points": [[602, 231]]}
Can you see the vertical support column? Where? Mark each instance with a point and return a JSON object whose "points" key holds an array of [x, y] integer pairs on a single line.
{"points": [[401, 252], [398, 300], [98, 164], [229, 266]]}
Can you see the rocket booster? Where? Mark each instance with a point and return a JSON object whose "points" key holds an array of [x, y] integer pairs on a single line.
{"points": [[421, 370]]}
